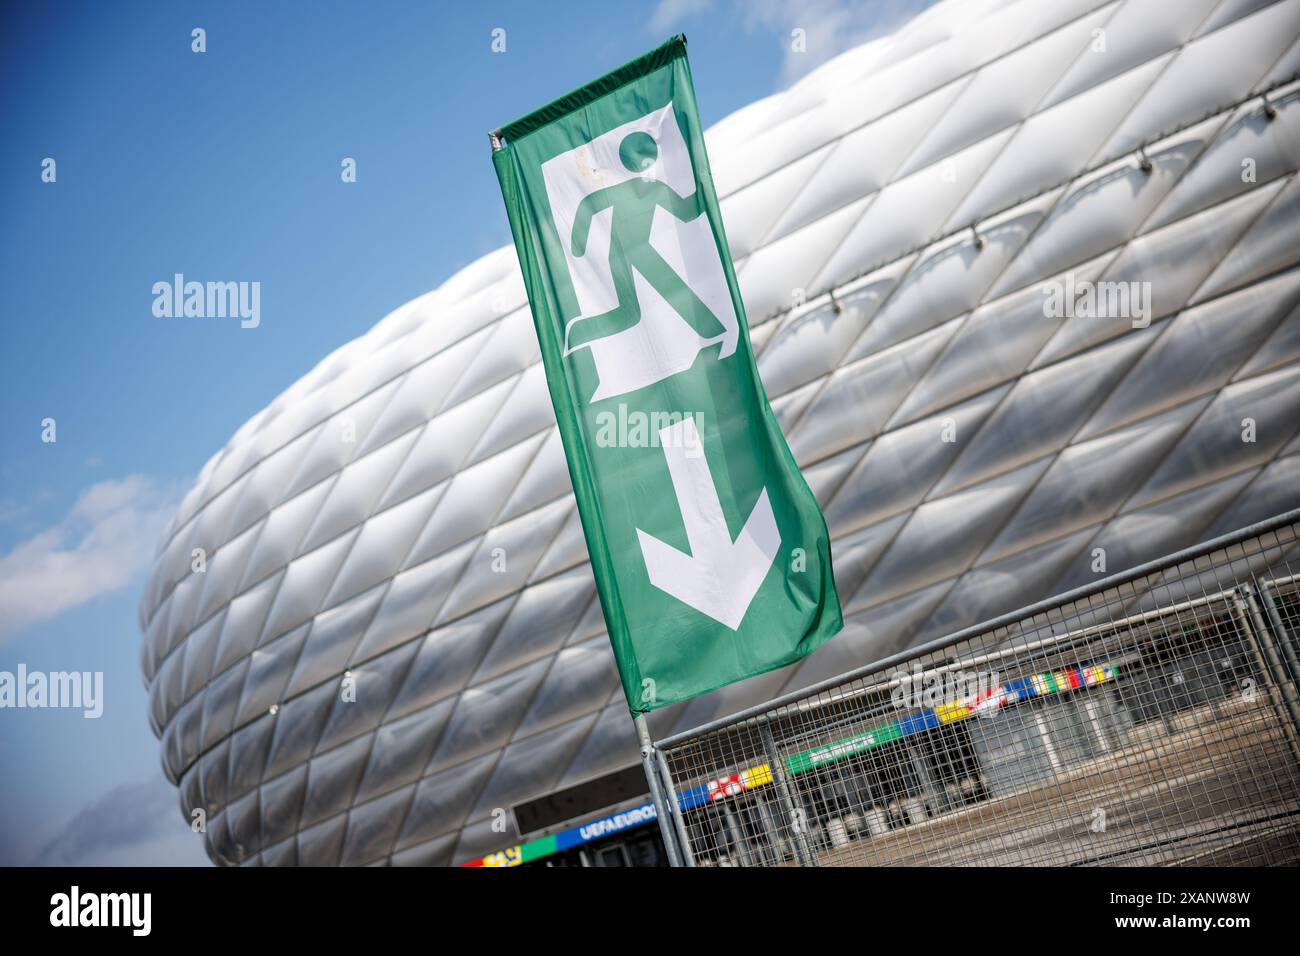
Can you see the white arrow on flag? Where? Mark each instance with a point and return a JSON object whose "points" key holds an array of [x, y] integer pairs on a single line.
{"points": [[719, 577]]}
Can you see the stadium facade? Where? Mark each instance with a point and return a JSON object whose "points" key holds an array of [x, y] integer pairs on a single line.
{"points": [[1023, 281]]}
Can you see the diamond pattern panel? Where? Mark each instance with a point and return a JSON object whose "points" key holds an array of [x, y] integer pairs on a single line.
{"points": [[395, 632]]}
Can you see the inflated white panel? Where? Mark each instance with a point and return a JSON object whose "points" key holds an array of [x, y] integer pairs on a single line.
{"points": [[865, 159], [1212, 71], [909, 211], [403, 511], [1128, 35]]}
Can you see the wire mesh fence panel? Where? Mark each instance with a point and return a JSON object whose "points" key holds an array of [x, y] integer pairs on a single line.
{"points": [[1152, 719]]}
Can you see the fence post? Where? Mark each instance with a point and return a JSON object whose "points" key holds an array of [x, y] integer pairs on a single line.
{"points": [[1284, 634], [801, 848], [1257, 632], [662, 810], [679, 819]]}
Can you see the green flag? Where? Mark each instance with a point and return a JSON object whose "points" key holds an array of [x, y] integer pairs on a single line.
{"points": [[710, 553]]}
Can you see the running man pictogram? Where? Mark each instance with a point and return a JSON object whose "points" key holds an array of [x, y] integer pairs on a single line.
{"points": [[634, 202]]}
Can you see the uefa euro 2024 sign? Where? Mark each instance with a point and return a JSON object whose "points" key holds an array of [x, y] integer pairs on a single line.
{"points": [[710, 553]]}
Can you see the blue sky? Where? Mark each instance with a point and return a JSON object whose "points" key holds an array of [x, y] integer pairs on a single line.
{"points": [[225, 166]]}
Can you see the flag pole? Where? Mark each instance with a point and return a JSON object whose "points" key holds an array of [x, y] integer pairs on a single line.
{"points": [[663, 812]]}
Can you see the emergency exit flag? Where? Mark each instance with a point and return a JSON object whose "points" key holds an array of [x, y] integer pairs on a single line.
{"points": [[710, 554]]}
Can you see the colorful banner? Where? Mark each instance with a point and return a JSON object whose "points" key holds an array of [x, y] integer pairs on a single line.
{"points": [[1039, 685]]}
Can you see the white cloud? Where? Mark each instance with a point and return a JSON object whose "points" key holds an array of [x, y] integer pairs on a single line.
{"points": [[134, 824], [100, 546], [830, 26], [671, 12]]}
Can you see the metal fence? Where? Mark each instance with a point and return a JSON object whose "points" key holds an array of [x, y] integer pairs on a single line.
{"points": [[1149, 719]]}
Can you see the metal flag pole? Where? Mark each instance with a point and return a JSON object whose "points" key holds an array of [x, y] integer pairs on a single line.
{"points": [[663, 811]]}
